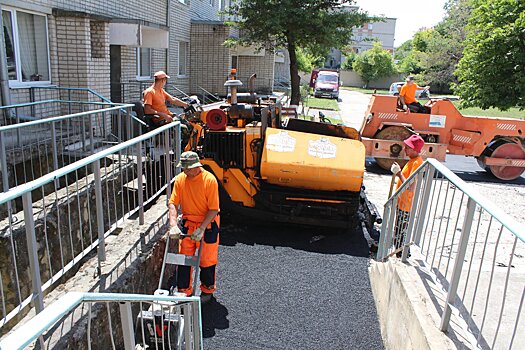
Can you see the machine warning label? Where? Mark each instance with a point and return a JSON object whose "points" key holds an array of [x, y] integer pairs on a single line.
{"points": [[281, 142], [437, 121], [322, 148]]}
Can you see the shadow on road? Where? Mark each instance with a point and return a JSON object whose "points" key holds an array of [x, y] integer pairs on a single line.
{"points": [[310, 239], [213, 318], [469, 175]]}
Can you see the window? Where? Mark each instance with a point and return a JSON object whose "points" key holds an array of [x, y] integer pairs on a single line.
{"points": [[183, 2], [183, 58], [143, 63], [26, 46]]}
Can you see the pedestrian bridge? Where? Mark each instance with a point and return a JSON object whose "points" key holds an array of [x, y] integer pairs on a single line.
{"points": [[82, 246]]}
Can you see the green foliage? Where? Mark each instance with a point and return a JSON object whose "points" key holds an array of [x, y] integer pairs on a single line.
{"points": [[307, 61], [492, 70], [434, 53], [315, 25], [374, 64], [349, 61]]}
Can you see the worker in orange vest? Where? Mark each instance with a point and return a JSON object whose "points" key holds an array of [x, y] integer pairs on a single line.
{"points": [[413, 146], [196, 195]]}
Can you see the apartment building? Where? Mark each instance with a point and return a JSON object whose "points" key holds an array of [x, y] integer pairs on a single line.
{"points": [[211, 60], [107, 46], [113, 47]]}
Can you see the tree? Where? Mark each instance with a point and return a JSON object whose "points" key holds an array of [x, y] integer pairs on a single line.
{"points": [[307, 61], [492, 70], [445, 48], [316, 25], [374, 64]]}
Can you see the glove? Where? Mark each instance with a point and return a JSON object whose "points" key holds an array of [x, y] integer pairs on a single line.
{"points": [[174, 232], [197, 234], [395, 168]]}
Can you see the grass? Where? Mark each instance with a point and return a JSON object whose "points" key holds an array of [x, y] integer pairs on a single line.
{"points": [[322, 103], [366, 91], [492, 112]]}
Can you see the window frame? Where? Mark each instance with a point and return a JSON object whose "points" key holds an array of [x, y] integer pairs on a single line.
{"points": [[185, 75], [143, 77], [19, 83]]}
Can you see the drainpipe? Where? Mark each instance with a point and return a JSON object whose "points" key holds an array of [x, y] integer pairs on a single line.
{"points": [[5, 93], [168, 3]]}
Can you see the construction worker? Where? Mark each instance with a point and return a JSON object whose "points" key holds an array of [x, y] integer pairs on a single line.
{"points": [[155, 98], [413, 146], [196, 195], [407, 96]]}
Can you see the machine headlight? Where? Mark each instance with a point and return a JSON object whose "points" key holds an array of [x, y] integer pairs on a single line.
{"points": [[335, 89]]}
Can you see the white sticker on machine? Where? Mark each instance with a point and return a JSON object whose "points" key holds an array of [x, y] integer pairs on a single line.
{"points": [[322, 148], [437, 121], [281, 142]]}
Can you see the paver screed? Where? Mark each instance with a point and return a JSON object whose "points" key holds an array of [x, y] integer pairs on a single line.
{"points": [[291, 288]]}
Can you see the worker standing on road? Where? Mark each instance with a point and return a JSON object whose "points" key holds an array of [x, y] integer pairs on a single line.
{"points": [[155, 98], [413, 146], [196, 195], [407, 96]]}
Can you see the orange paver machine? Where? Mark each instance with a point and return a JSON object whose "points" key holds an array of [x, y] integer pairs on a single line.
{"points": [[497, 144], [277, 168]]}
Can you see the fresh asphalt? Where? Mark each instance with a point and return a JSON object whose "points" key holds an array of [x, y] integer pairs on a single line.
{"points": [[283, 287]]}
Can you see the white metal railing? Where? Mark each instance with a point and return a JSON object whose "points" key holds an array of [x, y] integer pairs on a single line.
{"points": [[474, 250], [77, 207], [34, 148], [124, 321]]}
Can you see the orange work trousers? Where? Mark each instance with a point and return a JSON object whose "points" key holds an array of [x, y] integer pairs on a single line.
{"points": [[208, 263]]}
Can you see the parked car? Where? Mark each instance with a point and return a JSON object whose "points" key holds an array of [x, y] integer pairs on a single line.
{"points": [[326, 83], [395, 88]]}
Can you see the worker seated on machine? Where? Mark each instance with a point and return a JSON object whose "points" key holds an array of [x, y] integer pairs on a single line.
{"points": [[407, 97], [155, 98]]}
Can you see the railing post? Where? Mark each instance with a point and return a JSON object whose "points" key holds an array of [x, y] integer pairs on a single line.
{"points": [[197, 324], [128, 333], [32, 250], [177, 142], [140, 190], [458, 264], [54, 146], [409, 232], [100, 213], [423, 208], [167, 161]]}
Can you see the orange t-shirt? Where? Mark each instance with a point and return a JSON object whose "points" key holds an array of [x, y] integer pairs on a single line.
{"points": [[404, 202], [409, 92], [157, 99], [196, 195]]}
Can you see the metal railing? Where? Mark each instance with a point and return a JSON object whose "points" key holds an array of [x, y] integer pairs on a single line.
{"points": [[34, 148], [78, 206], [474, 251], [124, 321], [207, 97]]}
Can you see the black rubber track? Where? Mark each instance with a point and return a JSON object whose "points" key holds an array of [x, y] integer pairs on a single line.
{"points": [[291, 288]]}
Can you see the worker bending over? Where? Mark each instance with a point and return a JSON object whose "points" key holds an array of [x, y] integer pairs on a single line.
{"points": [[413, 146], [196, 195], [155, 98], [407, 96]]}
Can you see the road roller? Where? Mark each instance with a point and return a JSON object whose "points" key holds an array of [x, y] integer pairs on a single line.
{"points": [[496, 143]]}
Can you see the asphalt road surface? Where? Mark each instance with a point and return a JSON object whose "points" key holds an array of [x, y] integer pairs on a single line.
{"points": [[287, 288]]}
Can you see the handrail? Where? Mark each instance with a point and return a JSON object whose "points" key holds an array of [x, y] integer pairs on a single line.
{"points": [[30, 331], [50, 177], [505, 219], [19, 105], [62, 117], [87, 90]]}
